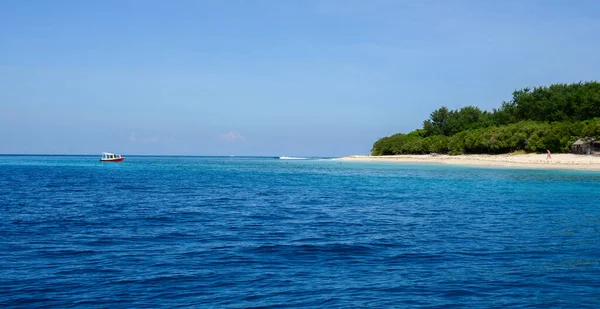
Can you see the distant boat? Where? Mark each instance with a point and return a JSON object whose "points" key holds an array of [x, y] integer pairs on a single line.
{"points": [[111, 157]]}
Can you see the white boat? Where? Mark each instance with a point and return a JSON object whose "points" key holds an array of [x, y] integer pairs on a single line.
{"points": [[111, 157]]}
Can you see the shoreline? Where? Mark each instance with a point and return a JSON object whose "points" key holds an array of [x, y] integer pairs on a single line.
{"points": [[563, 161]]}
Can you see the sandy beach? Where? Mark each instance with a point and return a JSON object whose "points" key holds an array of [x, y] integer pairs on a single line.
{"points": [[527, 161]]}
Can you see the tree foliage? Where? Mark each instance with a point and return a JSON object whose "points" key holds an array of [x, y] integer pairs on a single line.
{"points": [[534, 120]]}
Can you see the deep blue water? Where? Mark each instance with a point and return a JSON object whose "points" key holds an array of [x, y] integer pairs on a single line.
{"points": [[261, 232]]}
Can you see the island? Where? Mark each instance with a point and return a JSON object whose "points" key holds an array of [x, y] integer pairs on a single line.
{"points": [[554, 126]]}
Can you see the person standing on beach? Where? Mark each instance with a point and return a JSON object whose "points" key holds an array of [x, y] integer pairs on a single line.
{"points": [[548, 155]]}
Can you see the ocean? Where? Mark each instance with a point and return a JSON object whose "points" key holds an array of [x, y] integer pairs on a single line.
{"points": [[235, 232]]}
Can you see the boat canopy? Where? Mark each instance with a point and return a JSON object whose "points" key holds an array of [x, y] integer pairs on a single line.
{"points": [[108, 155]]}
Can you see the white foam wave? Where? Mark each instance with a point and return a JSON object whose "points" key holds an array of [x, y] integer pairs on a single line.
{"points": [[292, 158]]}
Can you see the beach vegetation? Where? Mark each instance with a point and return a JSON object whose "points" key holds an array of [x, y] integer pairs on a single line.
{"points": [[535, 120]]}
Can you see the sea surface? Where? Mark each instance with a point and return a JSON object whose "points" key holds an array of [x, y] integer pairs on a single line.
{"points": [[229, 232]]}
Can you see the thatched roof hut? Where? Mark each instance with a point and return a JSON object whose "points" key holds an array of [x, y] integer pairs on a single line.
{"points": [[585, 146]]}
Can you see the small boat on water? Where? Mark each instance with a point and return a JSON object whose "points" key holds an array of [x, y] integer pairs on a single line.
{"points": [[111, 157]]}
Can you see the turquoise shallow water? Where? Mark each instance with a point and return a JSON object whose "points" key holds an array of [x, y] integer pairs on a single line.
{"points": [[262, 232]]}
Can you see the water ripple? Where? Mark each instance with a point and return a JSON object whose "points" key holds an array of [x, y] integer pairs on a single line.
{"points": [[266, 233]]}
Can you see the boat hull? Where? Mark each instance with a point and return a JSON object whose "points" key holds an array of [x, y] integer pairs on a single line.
{"points": [[112, 160]]}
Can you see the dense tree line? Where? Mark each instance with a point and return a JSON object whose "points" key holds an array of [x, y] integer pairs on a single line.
{"points": [[534, 120]]}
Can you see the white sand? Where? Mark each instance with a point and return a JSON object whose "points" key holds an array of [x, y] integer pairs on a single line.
{"points": [[529, 161]]}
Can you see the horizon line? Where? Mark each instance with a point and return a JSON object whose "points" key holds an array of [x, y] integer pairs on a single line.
{"points": [[161, 155]]}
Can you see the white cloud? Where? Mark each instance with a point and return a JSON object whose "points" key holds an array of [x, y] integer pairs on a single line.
{"points": [[150, 140], [232, 136], [143, 140]]}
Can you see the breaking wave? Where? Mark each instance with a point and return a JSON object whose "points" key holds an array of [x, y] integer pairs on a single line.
{"points": [[292, 158]]}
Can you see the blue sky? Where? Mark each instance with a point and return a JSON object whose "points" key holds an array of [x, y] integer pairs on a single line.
{"points": [[302, 78]]}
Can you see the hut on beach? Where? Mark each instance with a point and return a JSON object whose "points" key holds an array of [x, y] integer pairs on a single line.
{"points": [[585, 146]]}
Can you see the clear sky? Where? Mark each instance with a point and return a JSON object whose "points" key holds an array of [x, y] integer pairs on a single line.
{"points": [[295, 78]]}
